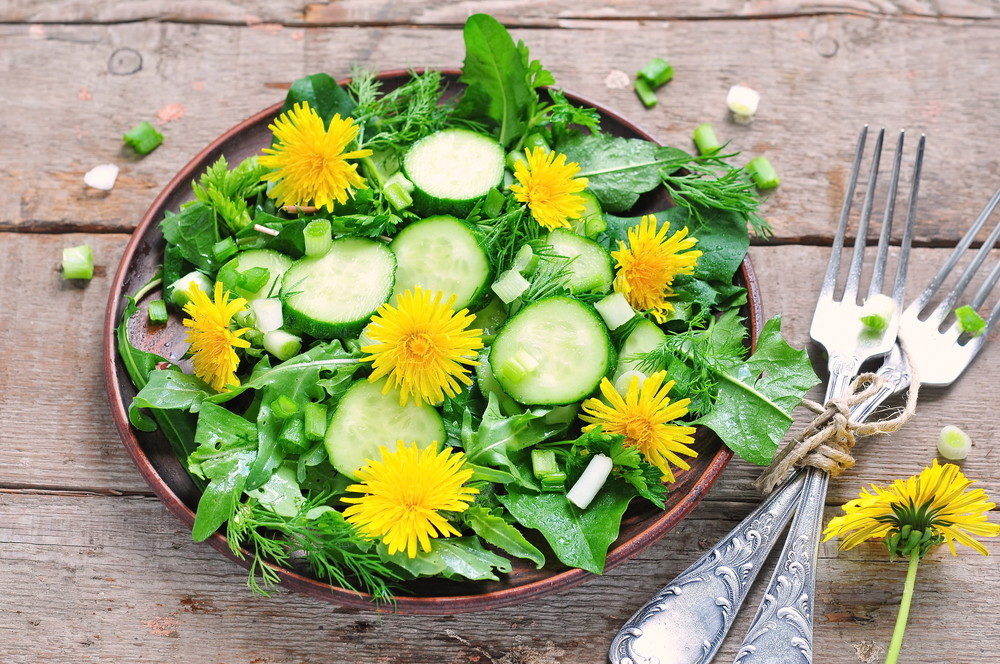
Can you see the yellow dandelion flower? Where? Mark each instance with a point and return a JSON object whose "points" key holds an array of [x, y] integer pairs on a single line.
{"points": [[213, 344], [642, 415], [648, 264], [404, 493], [309, 159], [548, 187], [423, 346], [937, 500]]}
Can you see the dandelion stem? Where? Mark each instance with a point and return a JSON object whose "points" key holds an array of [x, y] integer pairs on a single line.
{"points": [[896, 644]]}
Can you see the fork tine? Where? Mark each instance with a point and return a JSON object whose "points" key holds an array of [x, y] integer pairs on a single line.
{"points": [[833, 266], [885, 235], [984, 290], [911, 212], [951, 299], [921, 301], [861, 239]]}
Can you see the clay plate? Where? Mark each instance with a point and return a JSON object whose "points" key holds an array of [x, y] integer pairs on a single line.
{"points": [[642, 526]]}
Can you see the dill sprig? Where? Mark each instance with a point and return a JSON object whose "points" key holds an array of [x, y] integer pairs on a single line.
{"points": [[505, 234], [329, 544], [552, 275]]}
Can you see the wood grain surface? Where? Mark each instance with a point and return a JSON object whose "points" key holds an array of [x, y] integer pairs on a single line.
{"points": [[94, 568]]}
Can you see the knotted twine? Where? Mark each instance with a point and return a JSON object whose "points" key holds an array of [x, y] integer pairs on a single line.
{"points": [[827, 442]]}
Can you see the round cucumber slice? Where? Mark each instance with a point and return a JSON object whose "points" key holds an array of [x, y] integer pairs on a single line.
{"points": [[366, 419], [335, 295], [451, 170], [442, 254], [274, 262], [590, 270], [553, 352], [644, 337]]}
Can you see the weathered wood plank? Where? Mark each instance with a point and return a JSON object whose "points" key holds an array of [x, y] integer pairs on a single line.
{"points": [[58, 432], [120, 580], [560, 13], [818, 77]]}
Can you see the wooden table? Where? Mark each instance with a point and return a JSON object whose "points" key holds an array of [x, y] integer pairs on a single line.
{"points": [[94, 568]]}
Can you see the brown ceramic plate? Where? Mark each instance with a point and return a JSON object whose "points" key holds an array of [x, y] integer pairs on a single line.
{"points": [[642, 526]]}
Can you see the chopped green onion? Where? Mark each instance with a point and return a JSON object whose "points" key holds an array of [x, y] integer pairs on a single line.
{"points": [[78, 262], [253, 279], [267, 314], [553, 482], [224, 249], [969, 321], [315, 421], [143, 138], [101, 177], [953, 443], [398, 197], [593, 478], [763, 173], [622, 382], [318, 237], [877, 311], [595, 225], [875, 322], [179, 289], [743, 102], [615, 310], [157, 312], [705, 139], [282, 344], [543, 462], [292, 438], [536, 140], [402, 181], [525, 260], [656, 72], [509, 285], [245, 318], [283, 407], [645, 93], [493, 203], [515, 157], [255, 337], [515, 369]]}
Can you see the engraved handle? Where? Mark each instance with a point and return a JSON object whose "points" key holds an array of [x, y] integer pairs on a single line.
{"points": [[687, 620]]}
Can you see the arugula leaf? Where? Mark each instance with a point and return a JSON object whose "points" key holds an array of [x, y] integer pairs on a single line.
{"points": [[172, 389], [193, 232], [323, 94], [178, 427], [496, 78], [752, 410], [452, 558], [227, 446], [580, 538], [494, 530]]}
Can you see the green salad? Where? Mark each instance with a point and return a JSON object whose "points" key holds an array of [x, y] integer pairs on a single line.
{"points": [[429, 334]]}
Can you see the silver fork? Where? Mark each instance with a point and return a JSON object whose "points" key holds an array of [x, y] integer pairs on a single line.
{"points": [[781, 633], [686, 622]]}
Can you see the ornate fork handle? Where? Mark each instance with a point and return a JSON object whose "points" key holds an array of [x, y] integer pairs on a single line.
{"points": [[688, 619]]}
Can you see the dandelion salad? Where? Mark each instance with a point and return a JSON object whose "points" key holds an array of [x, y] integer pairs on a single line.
{"points": [[431, 333]]}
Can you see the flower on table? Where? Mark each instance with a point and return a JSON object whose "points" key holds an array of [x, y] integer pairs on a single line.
{"points": [[404, 494], [643, 415], [546, 183], [213, 342], [310, 159], [423, 345], [648, 263]]}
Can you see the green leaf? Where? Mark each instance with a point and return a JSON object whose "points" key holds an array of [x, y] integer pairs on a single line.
{"points": [[619, 169], [452, 558], [323, 94], [494, 530], [752, 410], [193, 232], [580, 538], [227, 445], [172, 389], [496, 78]]}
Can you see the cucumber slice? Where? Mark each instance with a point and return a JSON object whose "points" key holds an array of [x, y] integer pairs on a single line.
{"points": [[570, 344], [591, 222], [366, 419], [452, 170], [591, 269], [274, 262], [442, 254], [644, 337], [336, 294]]}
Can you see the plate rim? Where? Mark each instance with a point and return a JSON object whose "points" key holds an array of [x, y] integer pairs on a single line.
{"points": [[442, 605]]}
